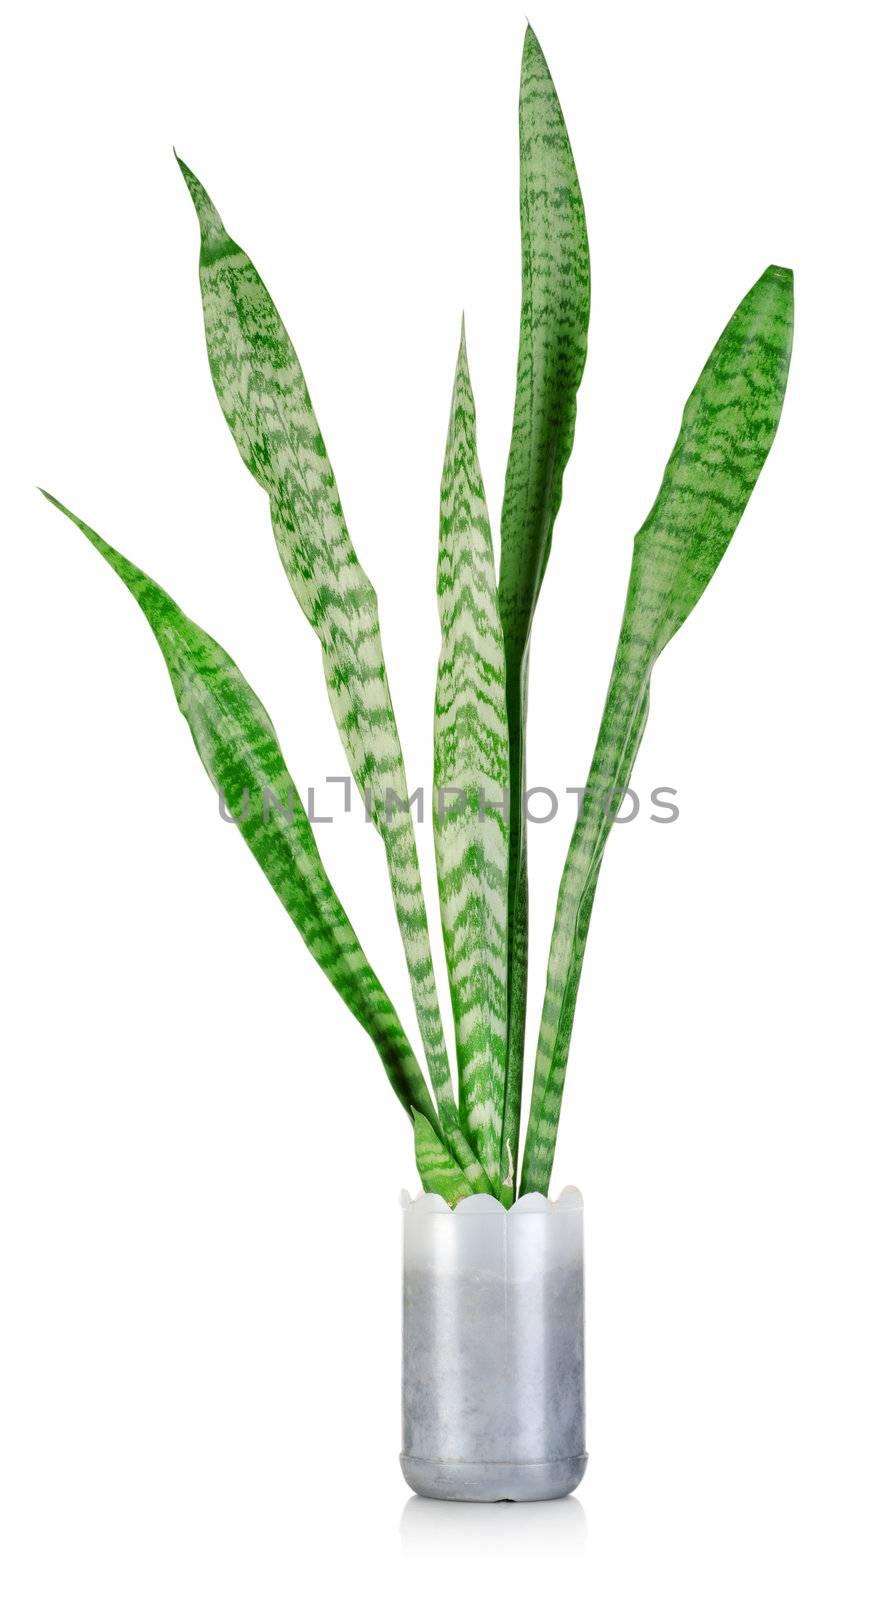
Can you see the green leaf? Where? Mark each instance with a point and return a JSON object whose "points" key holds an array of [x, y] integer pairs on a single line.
{"points": [[439, 1172], [552, 352], [472, 762], [263, 395], [237, 744], [727, 431]]}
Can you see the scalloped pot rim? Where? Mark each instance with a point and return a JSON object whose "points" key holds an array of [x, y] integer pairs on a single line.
{"points": [[570, 1199]]}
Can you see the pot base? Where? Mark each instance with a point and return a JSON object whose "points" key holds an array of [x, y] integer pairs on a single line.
{"points": [[493, 1480]]}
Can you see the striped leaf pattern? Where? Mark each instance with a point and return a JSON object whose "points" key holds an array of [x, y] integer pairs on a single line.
{"points": [[263, 395], [469, 1144], [727, 431], [439, 1172], [471, 775], [236, 742], [552, 353]]}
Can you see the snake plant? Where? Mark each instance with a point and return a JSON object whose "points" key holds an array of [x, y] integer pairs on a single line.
{"points": [[465, 1141]]}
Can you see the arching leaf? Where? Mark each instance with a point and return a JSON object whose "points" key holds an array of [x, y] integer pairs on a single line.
{"points": [[237, 744], [727, 430]]}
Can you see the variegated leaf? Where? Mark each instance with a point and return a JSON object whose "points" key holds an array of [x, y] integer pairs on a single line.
{"points": [[552, 354], [471, 774], [727, 431], [263, 395], [238, 747], [439, 1172]]}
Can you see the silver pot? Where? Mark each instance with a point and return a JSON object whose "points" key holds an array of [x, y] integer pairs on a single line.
{"points": [[492, 1352]]}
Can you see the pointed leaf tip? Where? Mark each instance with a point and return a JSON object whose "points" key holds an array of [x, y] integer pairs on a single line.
{"points": [[54, 502], [532, 49], [209, 220], [462, 357]]}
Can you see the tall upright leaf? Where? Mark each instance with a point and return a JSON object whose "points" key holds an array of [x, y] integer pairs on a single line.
{"points": [[471, 775], [552, 352], [238, 747], [727, 430], [263, 395]]}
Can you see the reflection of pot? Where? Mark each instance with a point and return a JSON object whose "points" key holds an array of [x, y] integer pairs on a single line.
{"points": [[492, 1354]]}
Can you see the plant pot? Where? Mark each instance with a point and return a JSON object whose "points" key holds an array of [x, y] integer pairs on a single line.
{"points": [[492, 1351]]}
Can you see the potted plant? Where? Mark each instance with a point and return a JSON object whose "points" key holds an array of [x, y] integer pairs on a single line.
{"points": [[493, 1329]]}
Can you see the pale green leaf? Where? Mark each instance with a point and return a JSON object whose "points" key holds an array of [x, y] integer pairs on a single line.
{"points": [[263, 395], [471, 774]]}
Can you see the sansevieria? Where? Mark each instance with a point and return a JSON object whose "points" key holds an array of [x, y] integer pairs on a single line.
{"points": [[465, 1125]]}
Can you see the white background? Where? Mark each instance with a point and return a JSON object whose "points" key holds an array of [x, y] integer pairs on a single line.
{"points": [[200, 1157]]}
